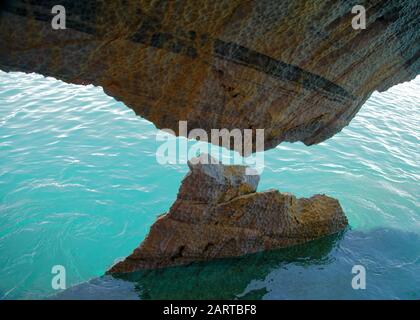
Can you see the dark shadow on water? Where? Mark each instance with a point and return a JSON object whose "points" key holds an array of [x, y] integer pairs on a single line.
{"points": [[224, 279], [317, 270]]}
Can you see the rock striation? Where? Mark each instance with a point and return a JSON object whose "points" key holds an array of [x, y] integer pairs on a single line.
{"points": [[219, 214], [296, 69]]}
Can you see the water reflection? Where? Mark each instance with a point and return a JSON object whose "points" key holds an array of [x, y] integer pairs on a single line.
{"points": [[317, 270]]}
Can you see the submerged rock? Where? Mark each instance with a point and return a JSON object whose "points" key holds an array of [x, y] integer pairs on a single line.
{"points": [[219, 214], [296, 69]]}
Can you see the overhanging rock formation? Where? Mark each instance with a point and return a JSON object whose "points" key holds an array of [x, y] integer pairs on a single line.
{"points": [[296, 69], [219, 214]]}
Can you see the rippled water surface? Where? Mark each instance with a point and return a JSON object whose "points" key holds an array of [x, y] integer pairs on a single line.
{"points": [[80, 187]]}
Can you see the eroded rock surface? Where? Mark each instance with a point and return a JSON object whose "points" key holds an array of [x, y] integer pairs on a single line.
{"points": [[294, 68], [219, 214]]}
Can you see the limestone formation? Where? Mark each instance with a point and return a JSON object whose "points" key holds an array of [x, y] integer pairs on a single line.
{"points": [[296, 69], [219, 214]]}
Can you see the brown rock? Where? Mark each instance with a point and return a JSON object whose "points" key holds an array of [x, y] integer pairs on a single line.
{"points": [[219, 214], [294, 68]]}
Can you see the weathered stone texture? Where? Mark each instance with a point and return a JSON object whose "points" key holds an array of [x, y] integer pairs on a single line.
{"points": [[219, 214], [294, 68]]}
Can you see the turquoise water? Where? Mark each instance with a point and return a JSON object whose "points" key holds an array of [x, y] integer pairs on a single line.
{"points": [[80, 187]]}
